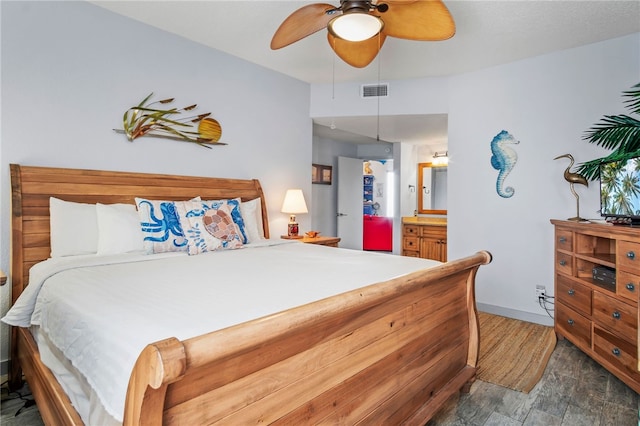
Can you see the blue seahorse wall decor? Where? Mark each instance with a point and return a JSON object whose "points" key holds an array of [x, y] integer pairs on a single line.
{"points": [[503, 159]]}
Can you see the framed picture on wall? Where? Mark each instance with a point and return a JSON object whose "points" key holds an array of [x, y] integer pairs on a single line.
{"points": [[321, 174]]}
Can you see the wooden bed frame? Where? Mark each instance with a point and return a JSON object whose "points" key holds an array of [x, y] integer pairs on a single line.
{"points": [[389, 353]]}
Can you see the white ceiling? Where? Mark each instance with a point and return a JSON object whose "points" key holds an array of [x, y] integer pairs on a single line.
{"points": [[488, 33]]}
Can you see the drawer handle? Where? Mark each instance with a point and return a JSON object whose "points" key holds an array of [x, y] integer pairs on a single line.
{"points": [[571, 292], [616, 351], [570, 322], [563, 262], [631, 287], [563, 239], [631, 255], [616, 315]]}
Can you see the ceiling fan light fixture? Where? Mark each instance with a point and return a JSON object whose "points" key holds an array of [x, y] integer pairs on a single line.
{"points": [[356, 26]]}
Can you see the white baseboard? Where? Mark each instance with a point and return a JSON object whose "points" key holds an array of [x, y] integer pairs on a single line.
{"points": [[519, 315]]}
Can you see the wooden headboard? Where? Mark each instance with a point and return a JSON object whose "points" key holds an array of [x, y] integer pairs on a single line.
{"points": [[31, 188]]}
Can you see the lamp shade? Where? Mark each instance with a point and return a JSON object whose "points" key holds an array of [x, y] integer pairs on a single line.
{"points": [[294, 202], [355, 26]]}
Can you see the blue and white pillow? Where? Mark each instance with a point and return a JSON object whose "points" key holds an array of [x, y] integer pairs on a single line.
{"points": [[160, 226], [208, 229], [236, 214]]}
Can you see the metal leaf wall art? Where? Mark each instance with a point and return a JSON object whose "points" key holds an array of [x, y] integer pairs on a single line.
{"points": [[150, 119]]}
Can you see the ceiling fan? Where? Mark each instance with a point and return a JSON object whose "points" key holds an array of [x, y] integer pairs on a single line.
{"points": [[357, 29]]}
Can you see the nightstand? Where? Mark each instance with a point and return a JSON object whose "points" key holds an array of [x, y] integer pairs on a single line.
{"points": [[3, 277], [323, 241]]}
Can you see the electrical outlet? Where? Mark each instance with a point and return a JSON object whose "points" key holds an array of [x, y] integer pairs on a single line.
{"points": [[540, 291]]}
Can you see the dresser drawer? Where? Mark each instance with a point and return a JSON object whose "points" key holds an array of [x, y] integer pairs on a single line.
{"points": [[410, 230], [627, 285], [619, 352], [616, 316], [564, 263], [564, 240], [410, 253], [410, 243], [628, 256], [573, 294], [573, 326]]}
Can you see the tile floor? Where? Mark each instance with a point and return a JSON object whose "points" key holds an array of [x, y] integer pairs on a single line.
{"points": [[18, 408], [573, 391]]}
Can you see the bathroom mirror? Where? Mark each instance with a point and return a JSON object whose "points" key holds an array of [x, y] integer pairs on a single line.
{"points": [[432, 188]]}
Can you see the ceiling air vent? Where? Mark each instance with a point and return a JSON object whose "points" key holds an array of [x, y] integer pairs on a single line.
{"points": [[375, 90]]}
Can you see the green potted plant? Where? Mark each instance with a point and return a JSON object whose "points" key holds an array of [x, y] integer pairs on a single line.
{"points": [[620, 133]]}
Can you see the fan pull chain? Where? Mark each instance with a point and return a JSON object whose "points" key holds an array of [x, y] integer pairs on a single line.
{"points": [[333, 73], [378, 118], [333, 89]]}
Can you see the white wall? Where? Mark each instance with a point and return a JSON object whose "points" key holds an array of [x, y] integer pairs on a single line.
{"points": [[71, 69], [423, 96], [547, 102], [325, 197]]}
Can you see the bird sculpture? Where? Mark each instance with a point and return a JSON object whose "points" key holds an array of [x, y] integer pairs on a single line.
{"points": [[573, 178]]}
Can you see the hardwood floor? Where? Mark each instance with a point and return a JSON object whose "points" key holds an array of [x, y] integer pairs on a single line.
{"points": [[573, 391]]}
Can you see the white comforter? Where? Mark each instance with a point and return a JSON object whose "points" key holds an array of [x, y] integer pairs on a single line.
{"points": [[101, 311]]}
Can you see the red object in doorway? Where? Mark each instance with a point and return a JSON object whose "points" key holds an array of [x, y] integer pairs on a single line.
{"points": [[377, 233]]}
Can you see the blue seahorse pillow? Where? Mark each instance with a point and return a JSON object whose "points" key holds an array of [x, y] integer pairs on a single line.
{"points": [[160, 226], [236, 215]]}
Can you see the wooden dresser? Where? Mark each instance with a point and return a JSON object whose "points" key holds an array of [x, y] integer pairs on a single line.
{"points": [[597, 282], [425, 237]]}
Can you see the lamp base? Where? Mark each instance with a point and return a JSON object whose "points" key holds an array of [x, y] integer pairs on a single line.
{"points": [[292, 228]]}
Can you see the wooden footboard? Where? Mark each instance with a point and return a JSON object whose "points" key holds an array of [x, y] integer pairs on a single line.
{"points": [[389, 353]]}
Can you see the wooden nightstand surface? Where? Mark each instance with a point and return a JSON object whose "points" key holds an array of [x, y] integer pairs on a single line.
{"points": [[323, 241]]}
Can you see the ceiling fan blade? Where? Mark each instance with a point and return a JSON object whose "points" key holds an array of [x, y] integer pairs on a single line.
{"points": [[358, 54], [302, 23], [426, 20]]}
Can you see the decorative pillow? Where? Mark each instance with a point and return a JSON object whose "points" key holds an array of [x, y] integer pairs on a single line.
{"points": [[118, 229], [73, 228], [236, 214], [207, 229], [252, 215], [160, 226]]}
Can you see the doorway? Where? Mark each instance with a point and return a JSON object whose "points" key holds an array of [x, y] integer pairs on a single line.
{"points": [[365, 204]]}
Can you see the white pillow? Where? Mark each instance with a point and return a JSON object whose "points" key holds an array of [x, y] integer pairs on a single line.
{"points": [[118, 229], [73, 228], [252, 214]]}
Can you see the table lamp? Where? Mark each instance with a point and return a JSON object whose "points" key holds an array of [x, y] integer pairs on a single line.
{"points": [[293, 204]]}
